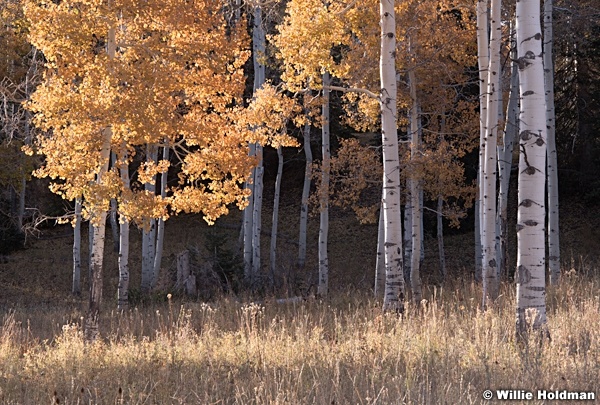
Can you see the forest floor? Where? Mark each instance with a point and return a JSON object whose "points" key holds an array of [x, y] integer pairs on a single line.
{"points": [[241, 349]]}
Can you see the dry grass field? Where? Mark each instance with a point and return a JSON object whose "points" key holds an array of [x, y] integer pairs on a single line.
{"points": [[237, 349], [336, 351]]}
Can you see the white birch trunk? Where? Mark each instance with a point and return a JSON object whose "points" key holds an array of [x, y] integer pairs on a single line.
{"points": [[149, 235], [123, 285], [323, 283], [530, 274], [483, 62], [273, 247], [113, 214], [90, 249], [258, 53], [407, 234], [91, 329], [505, 153], [394, 280], [160, 230], [247, 224], [415, 194], [305, 195], [76, 288], [552, 164], [256, 214], [477, 211], [490, 273], [380, 262]]}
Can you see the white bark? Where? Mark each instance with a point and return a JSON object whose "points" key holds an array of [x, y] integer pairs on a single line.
{"points": [[407, 235], [530, 274], [90, 248], [478, 250], [149, 234], [113, 214], [552, 164], [305, 195], [247, 224], [91, 330], [505, 154], [258, 53], [483, 62], [256, 214], [415, 194], [323, 284], [394, 280], [273, 247], [76, 288], [160, 231], [490, 274], [123, 285], [380, 262]]}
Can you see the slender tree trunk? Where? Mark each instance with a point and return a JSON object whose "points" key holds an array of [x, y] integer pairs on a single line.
{"points": [[380, 262], [323, 285], [113, 214], [394, 280], [123, 286], [505, 154], [259, 51], [149, 234], [440, 237], [256, 217], [92, 330], [90, 248], [305, 195], [478, 248], [273, 248], [114, 227], [76, 288], [490, 273], [28, 89], [407, 243], [530, 274], [415, 194], [552, 164], [483, 62], [160, 231], [247, 224]]}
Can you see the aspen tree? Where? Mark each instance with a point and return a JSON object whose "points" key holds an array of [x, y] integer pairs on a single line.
{"points": [[505, 160], [483, 55], [305, 194], [323, 282], [266, 120], [415, 193], [490, 163], [530, 273], [76, 287], [552, 164], [258, 55], [177, 54]]}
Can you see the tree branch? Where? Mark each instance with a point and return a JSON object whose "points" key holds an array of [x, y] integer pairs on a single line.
{"points": [[353, 90]]}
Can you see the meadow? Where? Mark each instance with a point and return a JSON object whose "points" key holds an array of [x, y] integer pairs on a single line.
{"points": [[340, 350]]}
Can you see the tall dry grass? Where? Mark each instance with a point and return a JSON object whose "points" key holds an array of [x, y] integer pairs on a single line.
{"points": [[338, 351]]}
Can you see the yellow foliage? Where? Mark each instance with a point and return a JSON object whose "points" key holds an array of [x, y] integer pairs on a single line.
{"points": [[355, 180], [266, 117], [175, 77]]}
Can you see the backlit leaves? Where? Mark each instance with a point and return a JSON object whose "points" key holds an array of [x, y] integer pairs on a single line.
{"points": [[174, 80]]}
